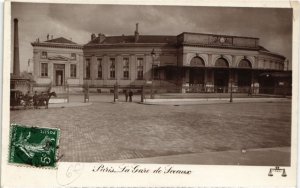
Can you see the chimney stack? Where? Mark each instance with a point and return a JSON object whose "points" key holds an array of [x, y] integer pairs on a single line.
{"points": [[101, 37], [93, 36], [16, 60], [136, 33]]}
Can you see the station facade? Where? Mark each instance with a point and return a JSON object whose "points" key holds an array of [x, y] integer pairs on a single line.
{"points": [[188, 62]]}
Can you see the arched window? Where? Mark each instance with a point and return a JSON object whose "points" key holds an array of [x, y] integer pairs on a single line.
{"points": [[245, 63], [197, 62], [221, 62]]}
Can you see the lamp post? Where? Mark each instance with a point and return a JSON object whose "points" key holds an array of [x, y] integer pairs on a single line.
{"points": [[153, 54], [230, 90]]}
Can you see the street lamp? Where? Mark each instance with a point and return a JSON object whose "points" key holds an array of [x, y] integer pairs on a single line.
{"points": [[153, 54], [230, 90]]}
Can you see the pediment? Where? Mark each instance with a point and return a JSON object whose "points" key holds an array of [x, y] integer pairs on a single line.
{"points": [[59, 58]]}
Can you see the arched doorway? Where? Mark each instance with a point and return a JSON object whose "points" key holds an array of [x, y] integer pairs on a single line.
{"points": [[196, 77], [244, 75], [221, 75], [197, 71]]}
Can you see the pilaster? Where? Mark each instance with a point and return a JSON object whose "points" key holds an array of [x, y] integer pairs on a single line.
{"points": [[93, 67], [105, 68]]}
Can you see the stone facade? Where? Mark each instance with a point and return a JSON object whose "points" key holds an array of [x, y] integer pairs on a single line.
{"points": [[192, 62]]}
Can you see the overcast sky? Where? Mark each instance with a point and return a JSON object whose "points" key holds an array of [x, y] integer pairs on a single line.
{"points": [[77, 22]]}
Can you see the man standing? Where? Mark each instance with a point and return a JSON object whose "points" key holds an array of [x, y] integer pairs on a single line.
{"points": [[126, 94], [130, 95]]}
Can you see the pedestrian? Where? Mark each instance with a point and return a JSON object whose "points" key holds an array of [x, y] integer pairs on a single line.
{"points": [[126, 94], [249, 91], [35, 100], [130, 95]]}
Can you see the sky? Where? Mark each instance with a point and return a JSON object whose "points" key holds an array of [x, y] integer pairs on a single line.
{"points": [[78, 22]]}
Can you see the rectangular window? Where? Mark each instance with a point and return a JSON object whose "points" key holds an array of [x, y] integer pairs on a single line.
{"points": [[73, 56], [87, 68], [126, 68], [112, 68], [99, 62], [44, 55], [44, 71], [73, 70], [140, 69]]}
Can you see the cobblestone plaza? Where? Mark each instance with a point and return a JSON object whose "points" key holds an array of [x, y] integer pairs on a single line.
{"points": [[106, 131]]}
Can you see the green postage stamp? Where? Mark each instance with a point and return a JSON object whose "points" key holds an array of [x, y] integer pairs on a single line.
{"points": [[33, 146]]}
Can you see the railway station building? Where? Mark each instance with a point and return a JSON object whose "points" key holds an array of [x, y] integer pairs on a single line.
{"points": [[188, 62]]}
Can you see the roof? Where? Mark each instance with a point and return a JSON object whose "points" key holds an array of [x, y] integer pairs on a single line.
{"points": [[131, 39], [220, 35], [261, 48], [61, 40]]}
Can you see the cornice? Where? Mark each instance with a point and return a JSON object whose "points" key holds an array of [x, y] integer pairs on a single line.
{"points": [[57, 45], [220, 46], [123, 45]]}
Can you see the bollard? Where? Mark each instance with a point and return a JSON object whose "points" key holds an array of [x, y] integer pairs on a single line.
{"points": [[116, 97], [68, 93], [86, 94], [142, 94]]}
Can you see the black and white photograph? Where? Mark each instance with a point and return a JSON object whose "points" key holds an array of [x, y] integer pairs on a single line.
{"points": [[153, 84]]}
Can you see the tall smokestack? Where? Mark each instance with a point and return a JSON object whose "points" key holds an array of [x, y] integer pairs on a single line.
{"points": [[136, 32], [16, 68]]}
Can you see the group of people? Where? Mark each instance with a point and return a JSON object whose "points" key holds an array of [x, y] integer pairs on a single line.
{"points": [[30, 99], [128, 94]]}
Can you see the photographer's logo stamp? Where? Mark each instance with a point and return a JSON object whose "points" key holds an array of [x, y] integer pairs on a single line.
{"points": [[33, 146]]}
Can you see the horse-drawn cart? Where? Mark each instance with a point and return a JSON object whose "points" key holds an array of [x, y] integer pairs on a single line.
{"points": [[16, 98]]}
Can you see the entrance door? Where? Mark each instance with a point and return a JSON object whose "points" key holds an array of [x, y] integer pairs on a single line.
{"points": [[59, 77], [196, 80], [244, 80], [59, 74], [221, 80]]}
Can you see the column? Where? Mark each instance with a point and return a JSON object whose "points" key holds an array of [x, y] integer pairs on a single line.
{"points": [[210, 60], [205, 79], [105, 67], [67, 73], [119, 67], [132, 67], [93, 67], [148, 61], [51, 72], [80, 69], [36, 64], [83, 67]]}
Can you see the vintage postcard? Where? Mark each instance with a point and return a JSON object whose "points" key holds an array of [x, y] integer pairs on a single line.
{"points": [[148, 94]]}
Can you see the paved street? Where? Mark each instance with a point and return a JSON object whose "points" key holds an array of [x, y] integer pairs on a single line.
{"points": [[104, 131]]}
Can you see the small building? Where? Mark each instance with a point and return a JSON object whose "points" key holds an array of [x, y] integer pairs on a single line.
{"points": [[188, 62]]}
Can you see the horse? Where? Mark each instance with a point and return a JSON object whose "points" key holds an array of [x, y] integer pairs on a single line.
{"points": [[43, 99]]}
